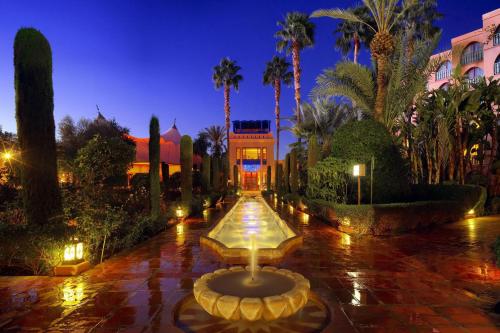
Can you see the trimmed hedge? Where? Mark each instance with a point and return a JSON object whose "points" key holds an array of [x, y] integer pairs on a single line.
{"points": [[444, 204], [359, 141]]}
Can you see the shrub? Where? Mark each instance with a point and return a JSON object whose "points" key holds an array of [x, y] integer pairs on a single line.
{"points": [[359, 141], [312, 152], [495, 205], [154, 167], [165, 174], [139, 180], [35, 126], [329, 180], [186, 169], [215, 174]]}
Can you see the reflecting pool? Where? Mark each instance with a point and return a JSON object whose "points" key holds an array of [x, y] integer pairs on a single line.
{"points": [[251, 216]]}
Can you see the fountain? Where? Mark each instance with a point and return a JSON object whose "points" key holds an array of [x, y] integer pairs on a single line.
{"points": [[252, 293]]}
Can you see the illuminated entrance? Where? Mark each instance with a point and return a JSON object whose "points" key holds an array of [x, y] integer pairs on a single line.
{"points": [[251, 151]]}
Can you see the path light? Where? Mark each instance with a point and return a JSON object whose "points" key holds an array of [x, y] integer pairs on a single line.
{"points": [[179, 212], [73, 261], [471, 213], [359, 171], [206, 203], [7, 155], [305, 218], [73, 252]]}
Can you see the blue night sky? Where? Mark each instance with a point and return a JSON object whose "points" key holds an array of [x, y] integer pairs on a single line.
{"points": [[138, 58]]}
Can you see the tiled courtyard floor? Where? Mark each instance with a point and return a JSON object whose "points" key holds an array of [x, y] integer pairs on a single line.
{"points": [[439, 281]]}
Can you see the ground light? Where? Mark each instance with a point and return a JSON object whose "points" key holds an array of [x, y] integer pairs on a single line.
{"points": [[179, 212], [7, 156], [359, 171], [73, 259]]}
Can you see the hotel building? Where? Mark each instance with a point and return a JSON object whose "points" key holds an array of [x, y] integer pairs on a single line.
{"points": [[251, 145]]}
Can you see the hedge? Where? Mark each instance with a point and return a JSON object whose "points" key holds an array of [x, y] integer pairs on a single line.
{"points": [[444, 204]]}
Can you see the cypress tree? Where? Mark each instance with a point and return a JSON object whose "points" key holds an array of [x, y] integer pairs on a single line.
{"points": [[225, 171], [286, 173], [154, 167], [165, 172], [215, 174], [268, 178], [186, 170], [35, 126], [205, 174], [294, 172], [312, 151], [279, 179], [235, 176]]}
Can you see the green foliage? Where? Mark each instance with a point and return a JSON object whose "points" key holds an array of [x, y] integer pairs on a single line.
{"points": [[268, 177], [235, 176], [286, 174], [205, 174], [35, 127], [186, 169], [294, 172], [359, 141], [216, 135], [154, 167], [103, 160], [225, 172], [297, 29], [329, 180]]}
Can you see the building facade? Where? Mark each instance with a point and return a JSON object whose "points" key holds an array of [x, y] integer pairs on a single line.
{"points": [[251, 149], [476, 52]]}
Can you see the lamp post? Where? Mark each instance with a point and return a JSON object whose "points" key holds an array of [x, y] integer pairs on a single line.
{"points": [[359, 170]]}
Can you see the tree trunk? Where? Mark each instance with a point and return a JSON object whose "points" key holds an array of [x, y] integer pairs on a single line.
{"points": [[277, 93], [227, 112], [356, 48], [381, 87], [296, 76], [451, 165]]}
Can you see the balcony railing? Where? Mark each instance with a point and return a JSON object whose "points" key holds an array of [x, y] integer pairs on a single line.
{"points": [[443, 74], [473, 80], [496, 68], [471, 56], [496, 39]]}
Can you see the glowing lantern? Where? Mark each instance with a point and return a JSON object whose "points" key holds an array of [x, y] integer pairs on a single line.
{"points": [[73, 252], [179, 212], [7, 155]]}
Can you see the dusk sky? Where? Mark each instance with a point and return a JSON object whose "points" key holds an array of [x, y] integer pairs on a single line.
{"points": [[138, 58]]}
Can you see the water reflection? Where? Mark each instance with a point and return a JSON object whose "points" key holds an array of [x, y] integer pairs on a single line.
{"points": [[72, 294], [251, 215]]}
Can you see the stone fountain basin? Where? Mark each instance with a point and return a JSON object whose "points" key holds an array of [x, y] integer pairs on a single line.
{"points": [[232, 295]]}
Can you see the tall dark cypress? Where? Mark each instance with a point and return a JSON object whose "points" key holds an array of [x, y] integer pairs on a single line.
{"points": [[294, 172], [165, 173], [215, 174], [268, 178], [236, 177], [154, 167], [186, 170], [35, 127], [205, 174], [286, 173]]}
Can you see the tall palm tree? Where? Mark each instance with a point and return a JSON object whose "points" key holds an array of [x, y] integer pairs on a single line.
{"points": [[297, 33], [276, 72], [215, 135], [226, 75], [352, 34], [386, 15]]}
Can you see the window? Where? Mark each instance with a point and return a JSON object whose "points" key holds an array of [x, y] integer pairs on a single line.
{"points": [[474, 74], [472, 53], [444, 71], [445, 86], [496, 68], [496, 37]]}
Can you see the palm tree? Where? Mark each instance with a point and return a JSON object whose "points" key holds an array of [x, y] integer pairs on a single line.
{"points": [[353, 34], [297, 33], [386, 15], [322, 118], [226, 75], [276, 72], [215, 135]]}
